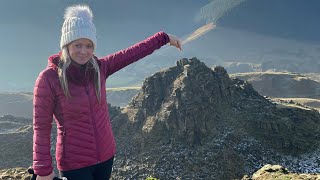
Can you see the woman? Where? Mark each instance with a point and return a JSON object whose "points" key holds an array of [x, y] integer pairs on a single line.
{"points": [[72, 89]]}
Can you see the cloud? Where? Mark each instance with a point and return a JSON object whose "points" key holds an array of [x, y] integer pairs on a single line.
{"points": [[216, 9], [199, 32]]}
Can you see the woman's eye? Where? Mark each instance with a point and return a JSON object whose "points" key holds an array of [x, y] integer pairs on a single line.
{"points": [[77, 45], [89, 46]]}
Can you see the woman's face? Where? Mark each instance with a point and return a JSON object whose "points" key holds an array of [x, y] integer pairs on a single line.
{"points": [[81, 50]]}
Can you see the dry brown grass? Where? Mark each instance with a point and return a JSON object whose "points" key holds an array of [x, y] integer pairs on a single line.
{"points": [[124, 88], [313, 103]]}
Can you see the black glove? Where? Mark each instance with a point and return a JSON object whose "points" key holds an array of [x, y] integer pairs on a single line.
{"points": [[34, 176]]}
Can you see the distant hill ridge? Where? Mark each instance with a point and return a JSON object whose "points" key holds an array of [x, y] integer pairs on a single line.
{"points": [[282, 84], [16, 103]]}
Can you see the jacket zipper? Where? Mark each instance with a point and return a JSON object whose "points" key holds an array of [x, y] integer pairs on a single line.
{"points": [[63, 144], [93, 124]]}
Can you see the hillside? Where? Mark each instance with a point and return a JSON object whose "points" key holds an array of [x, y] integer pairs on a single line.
{"points": [[191, 122], [121, 96], [16, 104], [307, 102], [313, 76], [16, 142], [282, 84], [16, 136]]}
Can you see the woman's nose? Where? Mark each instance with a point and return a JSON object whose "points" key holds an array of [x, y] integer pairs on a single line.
{"points": [[83, 50]]}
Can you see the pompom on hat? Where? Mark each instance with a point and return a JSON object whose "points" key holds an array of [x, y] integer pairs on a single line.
{"points": [[78, 24]]}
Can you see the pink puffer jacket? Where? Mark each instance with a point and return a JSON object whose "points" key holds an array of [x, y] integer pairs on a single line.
{"points": [[84, 134]]}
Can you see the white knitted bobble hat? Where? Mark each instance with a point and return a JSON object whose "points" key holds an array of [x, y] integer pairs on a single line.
{"points": [[78, 24]]}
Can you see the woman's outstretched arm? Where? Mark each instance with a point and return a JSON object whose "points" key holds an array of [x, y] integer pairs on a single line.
{"points": [[119, 60]]}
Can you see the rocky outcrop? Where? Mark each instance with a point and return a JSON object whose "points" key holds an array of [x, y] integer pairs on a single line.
{"points": [[191, 122], [15, 174], [191, 101], [269, 172]]}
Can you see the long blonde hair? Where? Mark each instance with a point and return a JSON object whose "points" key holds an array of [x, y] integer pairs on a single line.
{"points": [[63, 66]]}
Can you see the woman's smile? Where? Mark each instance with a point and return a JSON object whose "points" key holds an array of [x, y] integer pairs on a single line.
{"points": [[81, 50]]}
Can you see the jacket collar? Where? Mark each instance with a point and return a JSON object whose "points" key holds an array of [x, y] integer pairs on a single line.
{"points": [[77, 74]]}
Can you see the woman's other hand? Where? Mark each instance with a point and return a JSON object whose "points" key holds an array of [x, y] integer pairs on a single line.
{"points": [[174, 41], [49, 177]]}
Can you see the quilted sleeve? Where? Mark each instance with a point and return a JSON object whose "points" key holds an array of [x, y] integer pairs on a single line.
{"points": [[43, 104], [119, 60]]}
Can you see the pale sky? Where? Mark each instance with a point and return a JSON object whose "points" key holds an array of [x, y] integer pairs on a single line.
{"points": [[30, 30]]}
